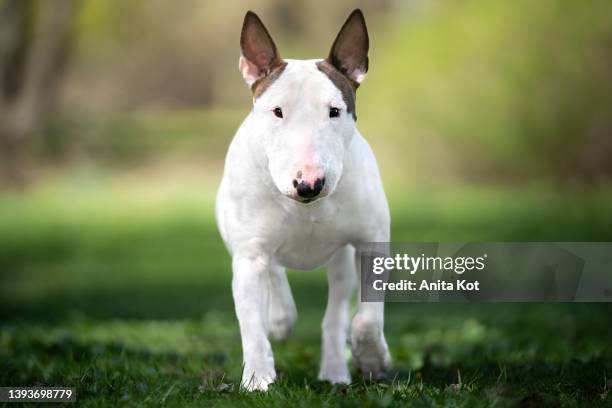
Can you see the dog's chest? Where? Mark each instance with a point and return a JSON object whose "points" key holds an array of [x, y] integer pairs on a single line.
{"points": [[309, 241]]}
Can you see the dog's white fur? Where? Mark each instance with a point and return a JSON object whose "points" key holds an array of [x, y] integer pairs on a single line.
{"points": [[267, 228]]}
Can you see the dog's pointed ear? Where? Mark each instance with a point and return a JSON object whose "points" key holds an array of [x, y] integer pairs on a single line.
{"points": [[259, 55], [349, 53]]}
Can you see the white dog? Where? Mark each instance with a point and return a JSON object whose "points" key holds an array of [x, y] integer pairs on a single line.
{"points": [[301, 189]]}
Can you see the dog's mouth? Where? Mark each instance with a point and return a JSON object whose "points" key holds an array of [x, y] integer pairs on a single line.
{"points": [[307, 200]]}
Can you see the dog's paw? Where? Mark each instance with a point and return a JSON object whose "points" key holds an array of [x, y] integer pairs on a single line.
{"points": [[258, 380], [335, 373], [370, 352]]}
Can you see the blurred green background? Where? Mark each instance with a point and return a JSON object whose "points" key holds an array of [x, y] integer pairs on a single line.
{"points": [[490, 120]]}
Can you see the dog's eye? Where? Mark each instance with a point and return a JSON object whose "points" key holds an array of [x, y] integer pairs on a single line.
{"points": [[278, 112], [334, 112]]}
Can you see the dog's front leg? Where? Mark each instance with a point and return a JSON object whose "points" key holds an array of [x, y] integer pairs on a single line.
{"points": [[341, 279], [251, 291], [282, 312], [369, 348]]}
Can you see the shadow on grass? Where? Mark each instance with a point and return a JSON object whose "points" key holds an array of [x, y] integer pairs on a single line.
{"points": [[170, 301]]}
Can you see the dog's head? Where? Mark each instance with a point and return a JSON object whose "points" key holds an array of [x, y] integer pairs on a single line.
{"points": [[305, 108]]}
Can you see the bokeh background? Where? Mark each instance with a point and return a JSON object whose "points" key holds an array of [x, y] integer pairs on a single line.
{"points": [[491, 121]]}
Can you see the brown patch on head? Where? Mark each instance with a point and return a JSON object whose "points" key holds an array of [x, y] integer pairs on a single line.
{"points": [[263, 83], [345, 85]]}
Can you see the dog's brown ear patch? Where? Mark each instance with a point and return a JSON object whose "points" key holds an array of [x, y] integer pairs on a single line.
{"points": [[260, 58], [347, 62], [262, 84], [346, 86], [349, 53]]}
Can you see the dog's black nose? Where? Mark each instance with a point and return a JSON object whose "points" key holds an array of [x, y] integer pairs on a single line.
{"points": [[305, 190]]}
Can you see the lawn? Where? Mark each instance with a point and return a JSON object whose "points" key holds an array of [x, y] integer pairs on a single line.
{"points": [[124, 293]]}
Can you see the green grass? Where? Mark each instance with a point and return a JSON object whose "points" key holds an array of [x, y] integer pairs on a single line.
{"points": [[124, 293]]}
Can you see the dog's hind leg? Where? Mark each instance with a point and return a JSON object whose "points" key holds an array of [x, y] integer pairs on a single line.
{"points": [[282, 312], [341, 278]]}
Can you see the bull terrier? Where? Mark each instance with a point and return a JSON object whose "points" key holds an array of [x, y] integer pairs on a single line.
{"points": [[301, 189]]}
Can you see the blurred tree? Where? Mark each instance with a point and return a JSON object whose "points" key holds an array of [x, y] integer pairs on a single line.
{"points": [[35, 42], [514, 91]]}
